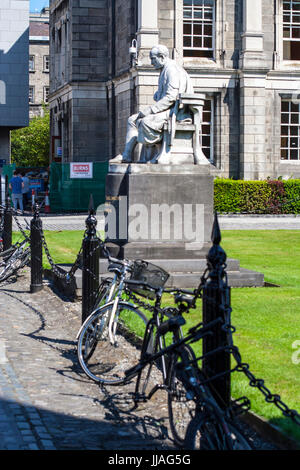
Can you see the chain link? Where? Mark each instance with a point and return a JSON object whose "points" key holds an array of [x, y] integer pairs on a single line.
{"points": [[62, 275], [245, 368], [20, 227]]}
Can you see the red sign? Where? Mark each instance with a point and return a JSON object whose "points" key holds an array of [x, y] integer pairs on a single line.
{"points": [[81, 170]]}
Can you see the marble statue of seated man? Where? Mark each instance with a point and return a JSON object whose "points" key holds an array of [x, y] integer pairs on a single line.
{"points": [[146, 127]]}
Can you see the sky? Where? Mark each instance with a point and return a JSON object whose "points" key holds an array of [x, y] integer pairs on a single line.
{"points": [[37, 5]]}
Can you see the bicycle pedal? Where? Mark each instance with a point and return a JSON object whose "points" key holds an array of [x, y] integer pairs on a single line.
{"points": [[240, 405]]}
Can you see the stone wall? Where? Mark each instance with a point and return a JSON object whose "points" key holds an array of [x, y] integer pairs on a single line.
{"points": [[89, 31], [125, 32], [166, 22], [39, 78]]}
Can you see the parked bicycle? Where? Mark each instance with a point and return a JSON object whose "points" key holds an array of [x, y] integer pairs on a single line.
{"points": [[196, 420], [209, 427], [110, 339], [14, 258]]}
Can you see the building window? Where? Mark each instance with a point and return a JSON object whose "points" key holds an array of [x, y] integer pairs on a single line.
{"points": [[291, 30], [207, 129], [46, 94], [31, 94], [46, 63], [290, 130], [198, 28], [31, 63]]}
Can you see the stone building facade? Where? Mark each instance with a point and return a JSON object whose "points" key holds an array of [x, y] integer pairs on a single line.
{"points": [[39, 64], [14, 26], [243, 54]]}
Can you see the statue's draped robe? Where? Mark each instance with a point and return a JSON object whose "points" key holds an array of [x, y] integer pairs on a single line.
{"points": [[173, 80]]}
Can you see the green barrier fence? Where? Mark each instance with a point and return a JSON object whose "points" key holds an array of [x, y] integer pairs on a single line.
{"points": [[68, 194], [8, 170]]}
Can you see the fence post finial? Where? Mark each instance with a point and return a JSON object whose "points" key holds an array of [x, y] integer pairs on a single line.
{"points": [[216, 256]]}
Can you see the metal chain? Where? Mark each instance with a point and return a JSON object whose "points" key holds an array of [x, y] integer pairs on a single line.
{"points": [[139, 302], [245, 368], [20, 227], [65, 275]]}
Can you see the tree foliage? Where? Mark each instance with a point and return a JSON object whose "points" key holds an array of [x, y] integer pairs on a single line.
{"points": [[30, 145]]}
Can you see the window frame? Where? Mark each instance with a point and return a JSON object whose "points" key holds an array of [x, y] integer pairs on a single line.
{"points": [[218, 38], [201, 21], [33, 94], [279, 61], [46, 58], [211, 124], [290, 125], [44, 93], [33, 60]]}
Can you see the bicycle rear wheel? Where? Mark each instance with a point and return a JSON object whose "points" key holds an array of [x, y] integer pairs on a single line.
{"points": [[208, 432], [14, 264], [101, 360], [181, 407]]}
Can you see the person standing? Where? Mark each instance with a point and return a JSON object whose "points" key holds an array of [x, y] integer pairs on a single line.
{"points": [[25, 189], [16, 185]]}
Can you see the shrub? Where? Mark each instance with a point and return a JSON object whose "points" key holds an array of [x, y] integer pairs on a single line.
{"points": [[257, 197]]}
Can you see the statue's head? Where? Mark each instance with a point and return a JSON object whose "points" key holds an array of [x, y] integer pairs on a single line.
{"points": [[159, 56]]}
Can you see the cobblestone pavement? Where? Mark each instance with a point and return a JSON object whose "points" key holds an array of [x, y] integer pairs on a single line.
{"points": [[46, 402]]}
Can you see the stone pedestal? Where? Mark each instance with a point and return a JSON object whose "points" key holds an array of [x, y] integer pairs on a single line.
{"points": [[162, 211], [164, 214]]}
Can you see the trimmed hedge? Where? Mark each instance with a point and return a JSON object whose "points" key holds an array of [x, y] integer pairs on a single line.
{"points": [[257, 197]]}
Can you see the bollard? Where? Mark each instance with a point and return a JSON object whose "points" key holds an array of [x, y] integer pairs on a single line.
{"points": [[216, 301], [7, 223], [90, 263], [36, 249]]}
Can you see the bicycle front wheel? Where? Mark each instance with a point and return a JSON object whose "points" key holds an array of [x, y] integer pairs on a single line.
{"points": [[103, 360], [208, 432]]}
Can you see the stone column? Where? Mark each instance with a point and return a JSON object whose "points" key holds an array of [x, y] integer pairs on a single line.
{"points": [[252, 37], [253, 93], [253, 123], [147, 34]]}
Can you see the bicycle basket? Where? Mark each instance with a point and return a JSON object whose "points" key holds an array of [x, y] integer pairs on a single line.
{"points": [[150, 274]]}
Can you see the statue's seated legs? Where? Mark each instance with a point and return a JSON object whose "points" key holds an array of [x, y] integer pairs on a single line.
{"points": [[147, 131]]}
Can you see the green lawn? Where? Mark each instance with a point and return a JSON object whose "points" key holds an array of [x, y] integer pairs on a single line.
{"points": [[267, 319]]}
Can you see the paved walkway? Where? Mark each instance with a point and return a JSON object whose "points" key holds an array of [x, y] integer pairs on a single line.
{"points": [[46, 402], [227, 222]]}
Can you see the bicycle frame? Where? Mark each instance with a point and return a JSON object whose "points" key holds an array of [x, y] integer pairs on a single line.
{"points": [[176, 347], [113, 298]]}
